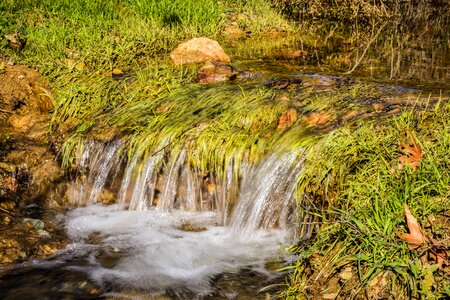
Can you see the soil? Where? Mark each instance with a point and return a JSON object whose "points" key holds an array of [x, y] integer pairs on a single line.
{"points": [[29, 172]]}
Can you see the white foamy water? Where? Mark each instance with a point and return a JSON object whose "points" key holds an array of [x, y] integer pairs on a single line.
{"points": [[153, 252]]}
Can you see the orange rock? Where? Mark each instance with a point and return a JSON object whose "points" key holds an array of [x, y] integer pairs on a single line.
{"points": [[198, 50]]}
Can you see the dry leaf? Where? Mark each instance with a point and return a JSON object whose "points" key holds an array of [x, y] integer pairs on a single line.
{"points": [[11, 183], [438, 253], [415, 238], [415, 154], [318, 118], [287, 118]]}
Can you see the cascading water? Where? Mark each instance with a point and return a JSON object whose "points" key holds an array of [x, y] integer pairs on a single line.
{"points": [[266, 190], [267, 194], [175, 231]]}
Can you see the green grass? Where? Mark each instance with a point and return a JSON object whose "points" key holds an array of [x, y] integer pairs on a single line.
{"points": [[355, 192], [76, 43]]}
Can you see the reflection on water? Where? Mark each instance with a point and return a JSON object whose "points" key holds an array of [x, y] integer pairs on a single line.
{"points": [[412, 49]]}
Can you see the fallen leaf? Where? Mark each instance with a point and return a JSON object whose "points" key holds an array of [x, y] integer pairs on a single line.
{"points": [[117, 72], [318, 118], [415, 154], [15, 41], [11, 183], [438, 253], [287, 118], [415, 238]]}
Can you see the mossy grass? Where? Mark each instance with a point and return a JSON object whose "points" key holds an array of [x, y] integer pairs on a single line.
{"points": [[352, 193]]}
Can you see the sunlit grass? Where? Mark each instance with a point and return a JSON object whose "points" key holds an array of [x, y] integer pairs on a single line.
{"points": [[354, 192]]}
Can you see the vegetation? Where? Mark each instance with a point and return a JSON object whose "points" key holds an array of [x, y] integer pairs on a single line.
{"points": [[77, 45], [354, 185], [352, 192]]}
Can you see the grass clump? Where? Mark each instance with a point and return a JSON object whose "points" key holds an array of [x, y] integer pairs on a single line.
{"points": [[351, 196], [76, 44]]}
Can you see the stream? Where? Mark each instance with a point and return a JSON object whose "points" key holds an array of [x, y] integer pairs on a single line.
{"points": [[173, 233], [175, 246]]}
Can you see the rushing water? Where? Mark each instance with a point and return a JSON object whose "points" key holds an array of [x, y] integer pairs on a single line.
{"points": [[172, 232]]}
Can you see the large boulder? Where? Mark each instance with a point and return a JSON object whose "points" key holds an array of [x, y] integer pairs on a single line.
{"points": [[198, 50]]}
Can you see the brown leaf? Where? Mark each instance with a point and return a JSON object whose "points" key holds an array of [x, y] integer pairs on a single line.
{"points": [[415, 238], [439, 254], [11, 183], [414, 152], [319, 118], [287, 118]]}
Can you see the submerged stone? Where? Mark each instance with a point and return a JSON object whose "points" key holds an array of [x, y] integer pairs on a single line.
{"points": [[198, 50], [214, 71]]}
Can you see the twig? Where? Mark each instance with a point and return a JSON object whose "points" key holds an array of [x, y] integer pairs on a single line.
{"points": [[359, 59], [7, 211], [6, 111]]}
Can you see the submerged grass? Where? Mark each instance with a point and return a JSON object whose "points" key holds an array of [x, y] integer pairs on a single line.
{"points": [[352, 194]]}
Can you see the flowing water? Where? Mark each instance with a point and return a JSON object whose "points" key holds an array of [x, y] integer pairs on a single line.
{"points": [[169, 235]]}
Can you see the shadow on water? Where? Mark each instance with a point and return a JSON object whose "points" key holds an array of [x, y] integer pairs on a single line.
{"points": [[65, 277]]}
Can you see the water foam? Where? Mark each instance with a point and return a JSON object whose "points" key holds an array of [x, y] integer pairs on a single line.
{"points": [[154, 253]]}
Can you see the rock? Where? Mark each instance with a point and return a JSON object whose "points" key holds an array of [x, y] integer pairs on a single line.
{"points": [[214, 71], [198, 50]]}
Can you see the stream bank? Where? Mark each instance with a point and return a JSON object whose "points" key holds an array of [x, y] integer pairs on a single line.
{"points": [[29, 171]]}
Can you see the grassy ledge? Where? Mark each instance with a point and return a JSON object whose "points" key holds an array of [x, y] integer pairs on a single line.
{"points": [[352, 193]]}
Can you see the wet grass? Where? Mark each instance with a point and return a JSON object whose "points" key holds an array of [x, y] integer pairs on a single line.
{"points": [[76, 45], [352, 194]]}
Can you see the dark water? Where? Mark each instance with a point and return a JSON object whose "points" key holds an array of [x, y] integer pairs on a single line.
{"points": [[66, 277]]}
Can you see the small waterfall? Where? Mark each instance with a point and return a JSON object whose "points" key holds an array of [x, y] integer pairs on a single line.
{"points": [[138, 184], [262, 197], [165, 232], [169, 192], [99, 161], [267, 193]]}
